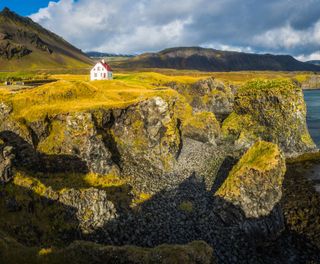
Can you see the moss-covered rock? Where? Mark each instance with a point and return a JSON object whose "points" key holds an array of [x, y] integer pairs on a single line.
{"points": [[301, 201], [271, 110], [202, 126], [208, 95], [310, 82], [147, 136], [251, 193], [254, 184], [77, 135], [12, 252]]}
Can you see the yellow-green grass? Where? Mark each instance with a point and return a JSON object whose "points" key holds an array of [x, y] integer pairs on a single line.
{"points": [[72, 94], [261, 157], [237, 78]]}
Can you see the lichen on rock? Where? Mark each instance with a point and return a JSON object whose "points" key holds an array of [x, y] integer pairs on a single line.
{"points": [[13, 252], [255, 182], [252, 191], [147, 136], [202, 126], [208, 95], [271, 110]]}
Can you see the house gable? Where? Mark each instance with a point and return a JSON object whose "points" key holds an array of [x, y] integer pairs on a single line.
{"points": [[101, 71]]}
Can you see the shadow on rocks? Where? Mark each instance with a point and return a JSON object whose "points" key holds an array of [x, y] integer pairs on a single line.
{"points": [[27, 158], [190, 212]]}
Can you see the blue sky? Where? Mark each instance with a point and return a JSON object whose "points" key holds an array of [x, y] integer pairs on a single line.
{"points": [[127, 26], [25, 7]]}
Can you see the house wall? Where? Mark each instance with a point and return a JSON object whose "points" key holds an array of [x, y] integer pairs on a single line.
{"points": [[98, 72]]}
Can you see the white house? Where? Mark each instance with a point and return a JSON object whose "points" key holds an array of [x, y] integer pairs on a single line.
{"points": [[101, 71]]}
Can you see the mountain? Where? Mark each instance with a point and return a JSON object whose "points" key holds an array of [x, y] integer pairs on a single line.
{"points": [[97, 54], [24, 44], [315, 62], [196, 58]]}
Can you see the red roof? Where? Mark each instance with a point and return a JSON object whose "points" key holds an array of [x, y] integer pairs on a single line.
{"points": [[106, 66]]}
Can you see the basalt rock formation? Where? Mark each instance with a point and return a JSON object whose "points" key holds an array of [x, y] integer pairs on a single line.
{"points": [[313, 82], [86, 252], [6, 160], [208, 95], [254, 185], [270, 110], [159, 171]]}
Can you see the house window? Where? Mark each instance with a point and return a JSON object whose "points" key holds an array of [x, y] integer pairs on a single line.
{"points": [[95, 75], [104, 75], [98, 68]]}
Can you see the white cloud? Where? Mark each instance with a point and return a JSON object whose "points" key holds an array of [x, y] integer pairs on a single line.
{"points": [[312, 56], [288, 37], [121, 26], [126, 26], [228, 47]]}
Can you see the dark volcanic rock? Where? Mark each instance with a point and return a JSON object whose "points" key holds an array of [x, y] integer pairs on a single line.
{"points": [[208, 95], [9, 50], [271, 110], [6, 164], [254, 188]]}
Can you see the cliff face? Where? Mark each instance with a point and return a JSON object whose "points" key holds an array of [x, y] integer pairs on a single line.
{"points": [[158, 171], [313, 82], [270, 110], [208, 95], [146, 143]]}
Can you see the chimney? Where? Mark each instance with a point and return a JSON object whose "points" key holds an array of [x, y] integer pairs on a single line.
{"points": [[103, 61]]}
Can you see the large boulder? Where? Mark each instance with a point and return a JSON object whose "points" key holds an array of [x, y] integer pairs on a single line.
{"points": [[311, 82], [208, 95], [76, 135], [271, 110], [93, 208], [253, 189], [147, 137], [203, 127]]}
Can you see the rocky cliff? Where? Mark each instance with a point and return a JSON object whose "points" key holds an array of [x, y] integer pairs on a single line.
{"points": [[313, 82], [168, 169], [270, 110]]}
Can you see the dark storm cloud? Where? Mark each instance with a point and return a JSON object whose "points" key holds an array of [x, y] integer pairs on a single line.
{"points": [[279, 26]]}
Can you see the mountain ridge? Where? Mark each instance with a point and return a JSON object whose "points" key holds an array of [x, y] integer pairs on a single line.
{"points": [[206, 59], [24, 43]]}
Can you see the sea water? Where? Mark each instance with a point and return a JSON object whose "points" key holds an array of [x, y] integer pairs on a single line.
{"points": [[312, 98]]}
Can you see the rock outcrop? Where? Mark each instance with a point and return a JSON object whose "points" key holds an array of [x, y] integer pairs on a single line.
{"points": [[271, 110], [147, 136], [312, 82], [10, 50], [6, 164], [77, 135], [253, 188], [93, 208], [144, 174], [208, 95], [12, 252]]}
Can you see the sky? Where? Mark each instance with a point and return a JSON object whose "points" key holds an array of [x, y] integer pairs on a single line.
{"points": [[132, 27]]}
